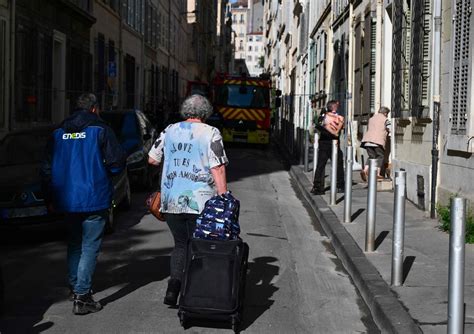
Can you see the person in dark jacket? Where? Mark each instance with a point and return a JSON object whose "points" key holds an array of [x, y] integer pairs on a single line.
{"points": [[82, 156], [325, 153]]}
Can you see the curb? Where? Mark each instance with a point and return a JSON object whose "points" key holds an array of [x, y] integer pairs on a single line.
{"points": [[387, 311]]}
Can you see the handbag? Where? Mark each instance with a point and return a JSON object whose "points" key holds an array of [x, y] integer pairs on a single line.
{"points": [[154, 203]]}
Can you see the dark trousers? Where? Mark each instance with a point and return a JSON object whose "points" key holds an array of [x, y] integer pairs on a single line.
{"points": [[324, 154], [182, 228]]}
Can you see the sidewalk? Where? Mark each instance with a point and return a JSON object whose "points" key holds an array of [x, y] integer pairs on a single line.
{"points": [[422, 302]]}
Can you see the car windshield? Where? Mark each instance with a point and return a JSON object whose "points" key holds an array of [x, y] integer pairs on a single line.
{"points": [[242, 96], [125, 127], [23, 148]]}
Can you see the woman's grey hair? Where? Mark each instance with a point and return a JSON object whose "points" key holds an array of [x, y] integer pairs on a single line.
{"points": [[196, 106], [86, 101], [384, 110]]}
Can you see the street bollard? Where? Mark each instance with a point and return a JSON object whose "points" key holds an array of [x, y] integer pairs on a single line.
{"points": [[306, 151], [371, 203], [315, 152], [398, 228], [456, 266], [348, 188], [333, 173]]}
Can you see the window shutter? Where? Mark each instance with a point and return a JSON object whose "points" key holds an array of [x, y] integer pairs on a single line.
{"points": [[368, 88], [303, 32], [420, 58], [461, 70], [373, 45], [357, 69], [400, 60]]}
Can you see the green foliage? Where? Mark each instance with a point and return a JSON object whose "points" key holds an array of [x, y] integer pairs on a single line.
{"points": [[444, 215]]}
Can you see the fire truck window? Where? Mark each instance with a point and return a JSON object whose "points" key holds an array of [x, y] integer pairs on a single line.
{"points": [[233, 96], [258, 100]]}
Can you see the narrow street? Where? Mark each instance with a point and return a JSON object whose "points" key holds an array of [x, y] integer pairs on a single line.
{"points": [[295, 283]]}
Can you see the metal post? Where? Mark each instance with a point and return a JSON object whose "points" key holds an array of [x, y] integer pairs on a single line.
{"points": [[301, 145], [333, 173], [315, 152], [348, 189], [371, 203], [306, 151], [456, 266], [398, 228]]}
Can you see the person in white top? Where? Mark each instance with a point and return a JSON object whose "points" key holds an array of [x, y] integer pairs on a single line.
{"points": [[194, 169]]}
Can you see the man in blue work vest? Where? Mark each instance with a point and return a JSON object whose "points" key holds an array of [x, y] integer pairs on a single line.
{"points": [[82, 155]]}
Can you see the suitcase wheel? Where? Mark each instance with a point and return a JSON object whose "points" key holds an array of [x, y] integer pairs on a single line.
{"points": [[235, 324], [182, 319]]}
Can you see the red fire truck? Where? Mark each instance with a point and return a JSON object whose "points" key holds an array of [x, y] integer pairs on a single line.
{"points": [[244, 103]]}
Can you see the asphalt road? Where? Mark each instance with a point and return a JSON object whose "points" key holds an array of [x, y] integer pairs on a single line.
{"points": [[295, 283]]}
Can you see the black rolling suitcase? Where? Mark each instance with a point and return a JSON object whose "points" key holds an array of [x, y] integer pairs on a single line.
{"points": [[214, 281]]}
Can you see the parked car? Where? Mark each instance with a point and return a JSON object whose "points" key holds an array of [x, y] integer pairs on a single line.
{"points": [[136, 135], [22, 202]]}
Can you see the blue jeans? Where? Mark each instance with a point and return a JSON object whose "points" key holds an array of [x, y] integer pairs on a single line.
{"points": [[85, 239], [182, 228]]}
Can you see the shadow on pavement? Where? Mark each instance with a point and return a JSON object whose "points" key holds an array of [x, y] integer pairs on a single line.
{"points": [[135, 275], [258, 293], [35, 271], [380, 238], [356, 214], [259, 289], [255, 161], [407, 264]]}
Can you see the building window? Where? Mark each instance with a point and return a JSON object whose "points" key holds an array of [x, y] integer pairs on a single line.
{"points": [[134, 14], [33, 75], [242, 18], [250, 39], [249, 58], [84, 4], [250, 47], [114, 4]]}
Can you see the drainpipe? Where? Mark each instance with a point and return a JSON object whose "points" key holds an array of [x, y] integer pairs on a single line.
{"points": [[350, 74], [436, 103], [12, 65]]}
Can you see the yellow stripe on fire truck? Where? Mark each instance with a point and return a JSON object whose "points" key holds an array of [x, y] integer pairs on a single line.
{"points": [[247, 114]]}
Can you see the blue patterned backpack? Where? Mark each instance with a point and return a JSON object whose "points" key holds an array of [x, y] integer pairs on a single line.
{"points": [[220, 219]]}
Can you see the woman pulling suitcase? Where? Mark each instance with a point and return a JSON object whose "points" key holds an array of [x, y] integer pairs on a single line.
{"points": [[194, 160]]}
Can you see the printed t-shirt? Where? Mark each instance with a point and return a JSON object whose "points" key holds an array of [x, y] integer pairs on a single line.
{"points": [[190, 150]]}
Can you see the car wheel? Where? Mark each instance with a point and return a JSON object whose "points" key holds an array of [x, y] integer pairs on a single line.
{"points": [[110, 223], [127, 200]]}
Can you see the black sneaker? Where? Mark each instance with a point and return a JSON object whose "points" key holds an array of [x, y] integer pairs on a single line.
{"points": [[84, 304], [171, 297]]}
